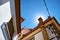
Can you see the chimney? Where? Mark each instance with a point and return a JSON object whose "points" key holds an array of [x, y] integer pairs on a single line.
{"points": [[40, 21], [49, 17]]}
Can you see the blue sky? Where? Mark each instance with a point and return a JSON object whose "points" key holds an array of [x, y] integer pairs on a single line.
{"points": [[31, 10]]}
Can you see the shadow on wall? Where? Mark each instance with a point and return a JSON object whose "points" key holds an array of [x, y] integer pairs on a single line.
{"points": [[3, 1]]}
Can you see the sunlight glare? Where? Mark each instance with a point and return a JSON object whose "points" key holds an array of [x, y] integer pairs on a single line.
{"points": [[38, 16]]}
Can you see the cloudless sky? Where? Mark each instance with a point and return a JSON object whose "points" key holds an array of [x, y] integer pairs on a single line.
{"points": [[31, 10]]}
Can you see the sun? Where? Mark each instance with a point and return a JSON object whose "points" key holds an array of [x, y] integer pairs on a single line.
{"points": [[38, 16]]}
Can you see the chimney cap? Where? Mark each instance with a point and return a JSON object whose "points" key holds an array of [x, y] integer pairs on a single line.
{"points": [[49, 16], [40, 19]]}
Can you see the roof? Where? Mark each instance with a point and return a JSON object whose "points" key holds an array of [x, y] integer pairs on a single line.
{"points": [[40, 23]]}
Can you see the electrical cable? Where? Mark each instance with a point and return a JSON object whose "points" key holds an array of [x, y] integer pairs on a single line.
{"points": [[48, 14], [46, 7]]}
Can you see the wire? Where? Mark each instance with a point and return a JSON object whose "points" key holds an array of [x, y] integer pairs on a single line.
{"points": [[46, 7], [48, 14]]}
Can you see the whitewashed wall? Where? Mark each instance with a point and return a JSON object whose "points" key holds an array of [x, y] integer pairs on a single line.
{"points": [[5, 13], [39, 36], [7, 10], [5, 16]]}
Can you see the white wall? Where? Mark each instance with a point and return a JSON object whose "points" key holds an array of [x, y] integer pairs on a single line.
{"points": [[5, 13], [5, 16], [39, 36]]}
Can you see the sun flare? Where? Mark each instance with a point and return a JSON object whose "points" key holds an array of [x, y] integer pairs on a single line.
{"points": [[38, 16]]}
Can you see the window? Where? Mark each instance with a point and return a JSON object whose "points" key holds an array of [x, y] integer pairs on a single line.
{"points": [[52, 32], [5, 31]]}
